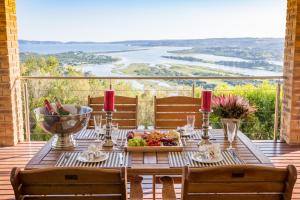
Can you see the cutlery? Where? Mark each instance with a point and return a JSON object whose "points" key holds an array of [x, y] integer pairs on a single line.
{"points": [[67, 156], [185, 159], [235, 157], [121, 159]]}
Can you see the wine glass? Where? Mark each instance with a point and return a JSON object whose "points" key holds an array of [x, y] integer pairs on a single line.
{"points": [[231, 131], [97, 125], [115, 135]]}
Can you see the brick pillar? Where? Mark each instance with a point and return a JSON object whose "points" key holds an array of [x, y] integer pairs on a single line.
{"points": [[11, 115], [290, 128]]}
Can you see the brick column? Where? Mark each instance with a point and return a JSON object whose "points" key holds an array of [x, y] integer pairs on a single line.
{"points": [[290, 127], [11, 114]]}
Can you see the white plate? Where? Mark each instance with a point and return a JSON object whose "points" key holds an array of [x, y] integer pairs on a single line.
{"points": [[101, 158], [198, 158]]}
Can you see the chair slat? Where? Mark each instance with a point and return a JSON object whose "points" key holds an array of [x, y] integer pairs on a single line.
{"points": [[235, 197], [74, 198], [69, 188], [118, 100], [118, 108], [179, 116], [172, 124], [236, 187], [72, 175], [178, 100], [238, 174], [121, 123], [118, 115], [178, 108]]}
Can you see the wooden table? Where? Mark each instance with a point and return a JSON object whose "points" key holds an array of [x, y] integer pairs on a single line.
{"points": [[156, 163]]}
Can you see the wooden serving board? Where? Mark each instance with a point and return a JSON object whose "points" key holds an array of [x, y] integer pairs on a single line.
{"points": [[179, 147]]}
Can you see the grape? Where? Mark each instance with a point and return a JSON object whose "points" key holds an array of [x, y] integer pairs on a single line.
{"points": [[136, 142]]}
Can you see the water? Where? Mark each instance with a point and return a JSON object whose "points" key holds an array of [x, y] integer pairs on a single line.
{"points": [[60, 48], [149, 55]]}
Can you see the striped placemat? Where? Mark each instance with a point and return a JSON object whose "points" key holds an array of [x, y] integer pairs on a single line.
{"points": [[198, 134], [181, 159], [69, 159], [90, 134]]}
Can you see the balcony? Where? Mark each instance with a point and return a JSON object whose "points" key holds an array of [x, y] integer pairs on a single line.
{"points": [[273, 130], [34, 88]]}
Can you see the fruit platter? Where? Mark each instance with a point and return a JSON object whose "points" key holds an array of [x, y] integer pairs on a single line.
{"points": [[153, 141]]}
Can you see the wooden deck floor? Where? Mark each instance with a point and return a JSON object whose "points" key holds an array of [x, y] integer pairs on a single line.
{"points": [[280, 153]]}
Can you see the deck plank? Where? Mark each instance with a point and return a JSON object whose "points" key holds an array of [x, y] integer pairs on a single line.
{"points": [[280, 154]]}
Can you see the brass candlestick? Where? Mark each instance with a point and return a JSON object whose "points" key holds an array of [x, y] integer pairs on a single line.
{"points": [[108, 142], [205, 128]]}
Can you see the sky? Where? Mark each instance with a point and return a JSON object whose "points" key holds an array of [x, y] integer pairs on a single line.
{"points": [[118, 20]]}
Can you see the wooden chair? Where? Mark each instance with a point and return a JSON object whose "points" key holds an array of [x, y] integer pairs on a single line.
{"points": [[239, 183], [126, 114], [171, 112], [69, 183]]}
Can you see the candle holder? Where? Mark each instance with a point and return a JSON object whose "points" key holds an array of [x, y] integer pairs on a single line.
{"points": [[108, 142], [205, 128]]}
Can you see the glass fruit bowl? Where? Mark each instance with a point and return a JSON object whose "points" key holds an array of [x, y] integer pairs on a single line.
{"points": [[63, 127]]}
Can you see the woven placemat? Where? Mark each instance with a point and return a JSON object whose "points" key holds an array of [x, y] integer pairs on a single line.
{"points": [[181, 159], [90, 134], [198, 134], [69, 159]]}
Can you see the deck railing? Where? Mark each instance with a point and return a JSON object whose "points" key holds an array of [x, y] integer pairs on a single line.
{"points": [[36, 84]]}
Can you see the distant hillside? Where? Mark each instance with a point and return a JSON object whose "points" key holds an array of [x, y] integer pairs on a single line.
{"points": [[246, 48], [232, 42]]}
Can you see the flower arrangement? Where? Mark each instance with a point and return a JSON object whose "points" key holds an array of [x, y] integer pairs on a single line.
{"points": [[234, 107]]}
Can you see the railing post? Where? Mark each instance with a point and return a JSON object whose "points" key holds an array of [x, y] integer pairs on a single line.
{"points": [[27, 112], [277, 105], [193, 89]]}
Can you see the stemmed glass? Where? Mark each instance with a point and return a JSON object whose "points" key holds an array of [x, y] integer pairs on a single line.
{"points": [[231, 131], [97, 125], [115, 135]]}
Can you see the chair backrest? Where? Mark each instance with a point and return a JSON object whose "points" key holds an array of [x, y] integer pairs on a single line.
{"points": [[171, 112], [69, 183], [126, 114], [239, 183]]}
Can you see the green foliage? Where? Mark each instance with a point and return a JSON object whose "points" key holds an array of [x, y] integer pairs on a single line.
{"points": [[260, 124]]}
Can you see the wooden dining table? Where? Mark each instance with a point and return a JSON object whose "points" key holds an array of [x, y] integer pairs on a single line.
{"points": [[153, 163]]}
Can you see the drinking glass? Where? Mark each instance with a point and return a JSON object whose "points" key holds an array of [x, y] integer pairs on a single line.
{"points": [[97, 125], [115, 135], [231, 131], [190, 120], [190, 123]]}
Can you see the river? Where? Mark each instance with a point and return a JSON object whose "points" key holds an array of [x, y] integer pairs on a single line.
{"points": [[150, 55]]}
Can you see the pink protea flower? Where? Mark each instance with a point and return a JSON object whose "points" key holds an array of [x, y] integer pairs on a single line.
{"points": [[232, 106]]}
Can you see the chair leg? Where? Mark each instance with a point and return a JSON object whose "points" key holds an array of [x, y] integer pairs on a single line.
{"points": [[136, 190], [168, 191], [154, 187]]}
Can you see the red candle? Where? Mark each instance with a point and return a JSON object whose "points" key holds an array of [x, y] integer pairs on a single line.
{"points": [[206, 100], [109, 100]]}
